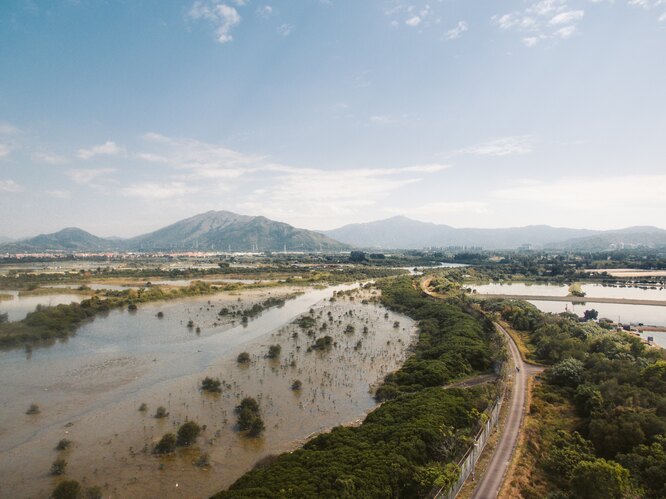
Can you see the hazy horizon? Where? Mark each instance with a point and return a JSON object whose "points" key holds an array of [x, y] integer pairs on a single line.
{"points": [[92, 230], [124, 117]]}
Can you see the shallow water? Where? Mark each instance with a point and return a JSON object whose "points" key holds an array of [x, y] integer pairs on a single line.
{"points": [[627, 314], [20, 306], [98, 379], [595, 290], [634, 314]]}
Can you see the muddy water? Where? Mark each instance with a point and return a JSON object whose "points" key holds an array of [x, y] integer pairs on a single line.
{"points": [[18, 307], [89, 391]]}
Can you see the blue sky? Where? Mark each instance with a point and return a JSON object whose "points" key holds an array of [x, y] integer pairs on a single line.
{"points": [[123, 116]]}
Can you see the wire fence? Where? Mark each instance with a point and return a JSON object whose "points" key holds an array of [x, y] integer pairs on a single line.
{"points": [[467, 464]]}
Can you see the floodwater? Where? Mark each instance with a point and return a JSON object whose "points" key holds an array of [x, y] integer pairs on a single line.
{"points": [[633, 314], [19, 306], [89, 390]]}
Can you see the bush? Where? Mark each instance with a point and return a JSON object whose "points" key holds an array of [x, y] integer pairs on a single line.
{"points": [[94, 493], [64, 444], [211, 385], [297, 384], [274, 351], [243, 358], [58, 466], [323, 343], [67, 489], [188, 433], [161, 412], [204, 460], [143, 407], [33, 409], [249, 417], [569, 372], [600, 478], [166, 445]]}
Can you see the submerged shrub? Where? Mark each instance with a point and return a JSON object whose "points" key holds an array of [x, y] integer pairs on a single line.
{"points": [[68, 489], [188, 433], [64, 444], [58, 466], [211, 385], [166, 445], [33, 409]]}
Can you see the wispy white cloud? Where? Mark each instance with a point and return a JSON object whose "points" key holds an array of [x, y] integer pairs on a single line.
{"points": [[596, 193], [224, 17], [542, 20], [295, 193], [436, 209], [384, 119], [109, 148], [8, 129], [198, 159], [48, 157], [153, 191], [505, 146], [457, 31], [9, 185], [59, 194], [412, 14], [87, 175], [8, 142], [285, 29], [265, 11]]}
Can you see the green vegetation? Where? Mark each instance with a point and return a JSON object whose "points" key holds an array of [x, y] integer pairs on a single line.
{"points": [[58, 467], [211, 385], [296, 385], [323, 343], [243, 358], [613, 444], [274, 351], [187, 434], [408, 445], [67, 489], [33, 409], [161, 412], [249, 417], [64, 444], [452, 342], [166, 445]]}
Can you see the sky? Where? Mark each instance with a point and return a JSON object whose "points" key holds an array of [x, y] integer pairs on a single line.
{"points": [[122, 116]]}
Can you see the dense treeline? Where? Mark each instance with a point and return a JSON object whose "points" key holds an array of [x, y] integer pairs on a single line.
{"points": [[617, 386], [452, 343], [409, 444]]}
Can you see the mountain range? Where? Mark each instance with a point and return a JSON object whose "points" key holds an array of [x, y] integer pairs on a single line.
{"points": [[227, 231], [403, 232], [210, 231]]}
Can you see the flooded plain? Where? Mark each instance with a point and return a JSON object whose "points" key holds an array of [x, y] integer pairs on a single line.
{"points": [[17, 307], [89, 389], [634, 314]]}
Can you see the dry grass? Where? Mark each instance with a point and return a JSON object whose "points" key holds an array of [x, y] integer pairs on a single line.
{"points": [[525, 477]]}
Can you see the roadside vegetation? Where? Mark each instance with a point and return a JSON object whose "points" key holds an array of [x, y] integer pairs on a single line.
{"points": [[597, 422]]}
